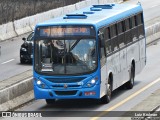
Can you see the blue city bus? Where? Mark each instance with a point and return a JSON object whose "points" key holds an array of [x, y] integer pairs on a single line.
{"points": [[89, 53]]}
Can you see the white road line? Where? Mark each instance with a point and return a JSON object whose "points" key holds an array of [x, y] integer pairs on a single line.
{"points": [[125, 100], [7, 61], [154, 6]]}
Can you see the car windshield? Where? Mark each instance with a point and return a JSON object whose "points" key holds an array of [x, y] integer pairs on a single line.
{"points": [[62, 57], [30, 37]]}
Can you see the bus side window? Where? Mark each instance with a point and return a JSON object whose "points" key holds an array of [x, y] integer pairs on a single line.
{"points": [[119, 28], [134, 28], [139, 19], [127, 31], [114, 44], [107, 40], [113, 31], [140, 25], [133, 21], [121, 39], [102, 49], [127, 25], [107, 33]]}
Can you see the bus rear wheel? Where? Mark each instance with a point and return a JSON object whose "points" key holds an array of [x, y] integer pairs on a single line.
{"points": [[50, 101], [106, 99], [130, 83]]}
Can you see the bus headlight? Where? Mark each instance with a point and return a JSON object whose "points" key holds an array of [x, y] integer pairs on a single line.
{"points": [[24, 49], [91, 82], [41, 84]]}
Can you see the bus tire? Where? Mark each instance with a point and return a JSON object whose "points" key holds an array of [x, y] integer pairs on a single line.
{"points": [[22, 61], [130, 83], [106, 99], [50, 101]]}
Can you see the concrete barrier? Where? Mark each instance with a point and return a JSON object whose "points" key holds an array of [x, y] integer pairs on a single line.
{"points": [[22, 26], [38, 18], [69, 9], [88, 2], [32, 21], [57, 12], [44, 16], [94, 2], [12, 91], [7, 31], [103, 1], [152, 32], [27, 24], [81, 5]]}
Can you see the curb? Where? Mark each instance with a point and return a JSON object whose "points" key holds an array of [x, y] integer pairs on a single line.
{"points": [[16, 91]]}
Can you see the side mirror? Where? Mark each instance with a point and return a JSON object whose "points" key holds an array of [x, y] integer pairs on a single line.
{"points": [[101, 40], [24, 39]]}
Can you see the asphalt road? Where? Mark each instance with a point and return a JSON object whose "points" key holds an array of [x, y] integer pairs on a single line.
{"points": [[151, 8], [9, 58], [122, 100]]}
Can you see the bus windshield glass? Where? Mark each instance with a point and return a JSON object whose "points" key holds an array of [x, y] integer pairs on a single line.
{"points": [[76, 56]]}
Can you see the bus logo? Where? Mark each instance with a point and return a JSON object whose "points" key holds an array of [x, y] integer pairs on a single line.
{"points": [[65, 86]]}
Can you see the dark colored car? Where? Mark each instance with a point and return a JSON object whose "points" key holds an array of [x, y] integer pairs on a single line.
{"points": [[26, 49]]}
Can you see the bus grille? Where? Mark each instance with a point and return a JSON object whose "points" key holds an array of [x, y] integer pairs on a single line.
{"points": [[66, 92], [69, 86], [65, 80]]}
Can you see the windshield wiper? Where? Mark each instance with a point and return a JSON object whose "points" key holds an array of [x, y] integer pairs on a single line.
{"points": [[71, 48]]}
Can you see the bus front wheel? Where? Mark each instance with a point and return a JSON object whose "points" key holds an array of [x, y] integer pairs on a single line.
{"points": [[106, 99], [130, 83], [50, 101]]}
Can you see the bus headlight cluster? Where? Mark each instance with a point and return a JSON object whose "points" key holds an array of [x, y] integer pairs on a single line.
{"points": [[91, 82], [24, 49], [41, 84]]}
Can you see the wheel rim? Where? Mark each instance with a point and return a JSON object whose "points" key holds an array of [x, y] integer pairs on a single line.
{"points": [[109, 91], [132, 76]]}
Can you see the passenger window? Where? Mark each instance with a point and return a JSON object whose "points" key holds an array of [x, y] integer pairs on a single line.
{"points": [[113, 31], [107, 34], [127, 25], [139, 19], [102, 53], [108, 46], [132, 22], [120, 27]]}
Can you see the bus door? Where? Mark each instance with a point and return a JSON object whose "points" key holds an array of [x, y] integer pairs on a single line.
{"points": [[112, 51], [122, 51], [133, 49], [115, 63], [102, 63]]}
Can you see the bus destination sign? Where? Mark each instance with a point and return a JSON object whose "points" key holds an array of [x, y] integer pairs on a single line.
{"points": [[63, 31]]}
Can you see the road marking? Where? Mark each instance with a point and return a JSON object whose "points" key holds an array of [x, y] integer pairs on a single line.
{"points": [[7, 61], [154, 6], [125, 100]]}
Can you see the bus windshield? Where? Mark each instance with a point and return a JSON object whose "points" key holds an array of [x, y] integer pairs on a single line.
{"points": [[65, 57]]}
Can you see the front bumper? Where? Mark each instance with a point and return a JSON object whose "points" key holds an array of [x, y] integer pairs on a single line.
{"points": [[82, 93], [25, 56]]}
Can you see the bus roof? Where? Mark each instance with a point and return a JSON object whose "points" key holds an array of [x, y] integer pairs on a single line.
{"points": [[96, 15]]}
